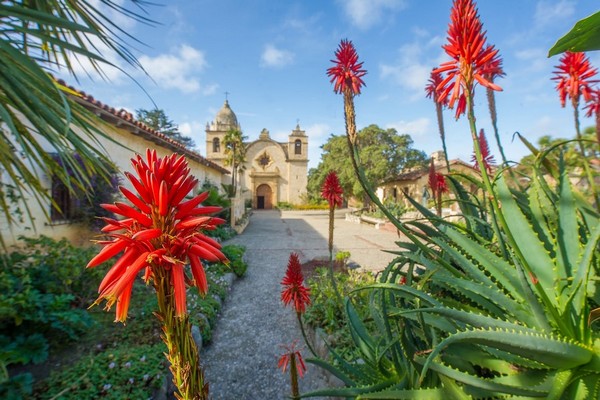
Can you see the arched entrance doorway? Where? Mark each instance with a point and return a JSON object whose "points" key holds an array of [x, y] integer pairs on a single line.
{"points": [[264, 197]]}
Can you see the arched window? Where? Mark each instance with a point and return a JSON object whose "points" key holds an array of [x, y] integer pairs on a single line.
{"points": [[216, 145], [298, 146]]}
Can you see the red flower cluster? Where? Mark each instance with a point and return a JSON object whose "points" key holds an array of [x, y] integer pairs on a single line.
{"points": [[294, 290], [159, 230], [332, 190], [437, 182], [347, 73], [593, 106], [431, 90], [488, 157], [574, 77], [470, 55], [285, 359]]}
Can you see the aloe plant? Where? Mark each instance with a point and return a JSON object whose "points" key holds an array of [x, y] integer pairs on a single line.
{"points": [[510, 316]]}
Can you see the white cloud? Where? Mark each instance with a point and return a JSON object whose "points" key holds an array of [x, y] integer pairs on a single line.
{"points": [[365, 14], [409, 72], [548, 12], [274, 57], [191, 129], [178, 69], [414, 128]]}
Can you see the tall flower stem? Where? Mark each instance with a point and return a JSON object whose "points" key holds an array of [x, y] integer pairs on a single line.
{"points": [[294, 378], [182, 351], [494, 117], [304, 336], [330, 246], [440, 120]]}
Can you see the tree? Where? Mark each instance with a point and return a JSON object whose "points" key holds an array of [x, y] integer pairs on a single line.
{"points": [[384, 152], [158, 120], [235, 154], [36, 39]]}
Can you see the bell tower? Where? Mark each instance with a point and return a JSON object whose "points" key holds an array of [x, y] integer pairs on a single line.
{"points": [[225, 120]]}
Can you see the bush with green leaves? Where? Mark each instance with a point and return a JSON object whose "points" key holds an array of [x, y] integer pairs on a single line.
{"points": [[326, 311], [236, 264], [122, 372]]}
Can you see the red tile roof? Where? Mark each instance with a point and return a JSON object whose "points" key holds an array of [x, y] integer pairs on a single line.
{"points": [[123, 118]]}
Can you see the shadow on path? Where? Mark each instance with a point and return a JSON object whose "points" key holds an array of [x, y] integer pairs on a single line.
{"points": [[241, 361]]}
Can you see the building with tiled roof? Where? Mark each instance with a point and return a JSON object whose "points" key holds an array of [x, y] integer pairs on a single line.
{"points": [[415, 183], [274, 171], [125, 136]]}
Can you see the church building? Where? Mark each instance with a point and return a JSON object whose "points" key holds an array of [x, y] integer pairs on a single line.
{"points": [[273, 172]]}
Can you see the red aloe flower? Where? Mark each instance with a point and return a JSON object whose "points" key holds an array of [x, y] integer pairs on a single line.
{"points": [[486, 155], [291, 352], [492, 69], [573, 76], [294, 290], [159, 231], [331, 190], [437, 181], [469, 52], [431, 89], [593, 109], [347, 73]]}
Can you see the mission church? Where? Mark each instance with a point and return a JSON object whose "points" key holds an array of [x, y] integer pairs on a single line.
{"points": [[273, 172]]}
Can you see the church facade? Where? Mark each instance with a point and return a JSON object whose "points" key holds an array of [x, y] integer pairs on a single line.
{"points": [[273, 172]]}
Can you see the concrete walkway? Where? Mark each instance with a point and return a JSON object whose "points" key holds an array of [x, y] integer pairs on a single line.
{"points": [[241, 361]]}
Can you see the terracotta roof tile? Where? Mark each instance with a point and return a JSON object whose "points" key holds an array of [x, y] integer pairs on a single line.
{"points": [[151, 134]]}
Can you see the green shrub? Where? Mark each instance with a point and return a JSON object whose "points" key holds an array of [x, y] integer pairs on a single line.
{"points": [[327, 312], [123, 372], [237, 265]]}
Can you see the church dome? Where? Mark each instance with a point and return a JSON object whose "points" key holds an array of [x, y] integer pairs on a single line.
{"points": [[227, 117]]}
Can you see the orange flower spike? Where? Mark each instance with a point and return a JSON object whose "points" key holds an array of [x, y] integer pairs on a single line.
{"points": [[141, 189], [294, 290], [118, 268], [123, 303], [202, 252], [136, 201], [131, 212], [347, 73], [163, 199], [331, 190], [108, 252], [128, 276], [199, 275], [467, 48], [178, 277], [147, 234]]}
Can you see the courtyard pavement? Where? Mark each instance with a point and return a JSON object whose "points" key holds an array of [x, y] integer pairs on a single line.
{"points": [[241, 361]]}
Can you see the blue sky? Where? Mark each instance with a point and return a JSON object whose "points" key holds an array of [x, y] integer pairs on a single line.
{"points": [[271, 56]]}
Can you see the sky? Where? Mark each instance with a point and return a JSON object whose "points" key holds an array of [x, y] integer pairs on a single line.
{"points": [[271, 57]]}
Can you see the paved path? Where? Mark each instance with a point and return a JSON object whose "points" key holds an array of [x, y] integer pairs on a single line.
{"points": [[241, 361]]}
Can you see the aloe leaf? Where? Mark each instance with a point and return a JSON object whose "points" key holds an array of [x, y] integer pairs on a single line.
{"points": [[584, 36], [501, 270], [408, 394], [484, 297], [552, 352], [584, 269], [515, 385], [472, 319], [527, 246], [568, 233], [351, 392]]}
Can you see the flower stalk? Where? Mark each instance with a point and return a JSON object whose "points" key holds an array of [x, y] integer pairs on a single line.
{"points": [[160, 234]]}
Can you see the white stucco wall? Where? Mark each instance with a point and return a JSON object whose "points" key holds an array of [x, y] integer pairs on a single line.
{"points": [[120, 151]]}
